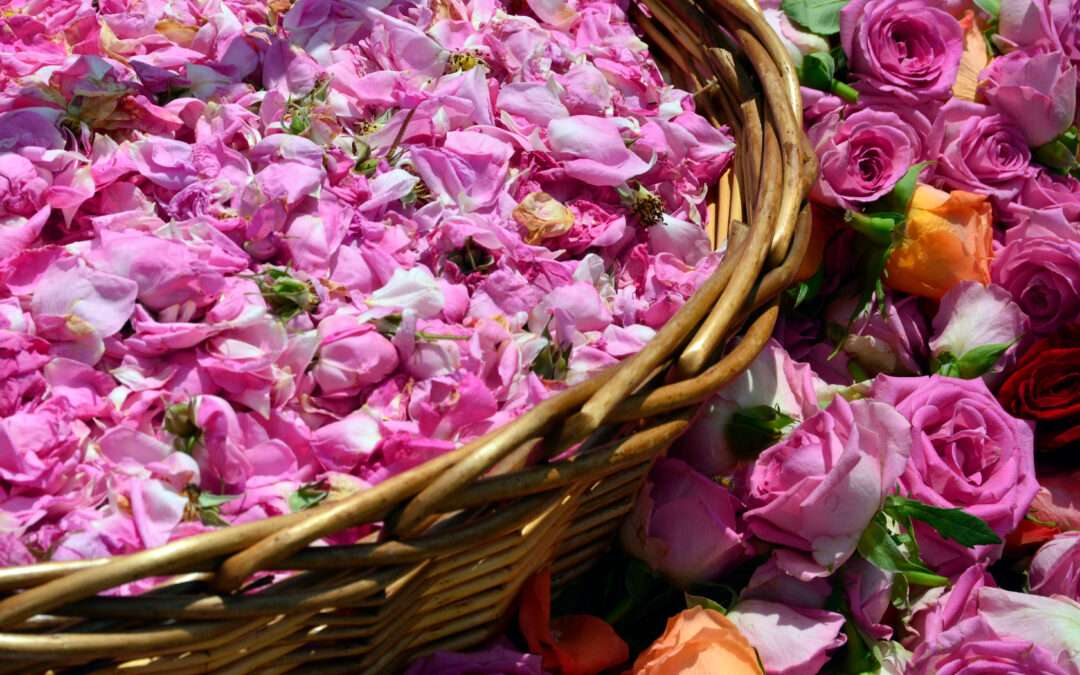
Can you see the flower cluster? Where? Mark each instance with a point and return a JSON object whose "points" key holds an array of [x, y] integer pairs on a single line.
{"points": [[892, 486], [256, 255]]}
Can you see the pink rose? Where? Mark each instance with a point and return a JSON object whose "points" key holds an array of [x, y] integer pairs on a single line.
{"points": [[939, 609], [789, 640], [684, 525], [862, 157], [1023, 23], [1055, 570], [817, 490], [773, 381], [1040, 268], [1035, 88], [1048, 196], [22, 186], [967, 453], [903, 47], [1008, 632], [974, 647], [980, 151]]}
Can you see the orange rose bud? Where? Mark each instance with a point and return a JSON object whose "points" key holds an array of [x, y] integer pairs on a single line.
{"points": [[577, 644], [696, 642], [947, 239]]}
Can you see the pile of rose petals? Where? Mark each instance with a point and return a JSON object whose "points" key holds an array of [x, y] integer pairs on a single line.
{"points": [[255, 255]]}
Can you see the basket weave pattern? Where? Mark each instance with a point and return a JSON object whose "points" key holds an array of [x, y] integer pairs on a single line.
{"points": [[462, 532]]}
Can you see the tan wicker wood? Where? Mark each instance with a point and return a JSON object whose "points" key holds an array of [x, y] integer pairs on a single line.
{"points": [[463, 531]]}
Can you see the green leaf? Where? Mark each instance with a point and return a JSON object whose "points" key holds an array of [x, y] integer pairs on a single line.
{"points": [[702, 601], [991, 7], [899, 198], [955, 524], [975, 362], [817, 71], [751, 430], [879, 548], [817, 16], [307, 496], [1060, 153], [809, 289]]}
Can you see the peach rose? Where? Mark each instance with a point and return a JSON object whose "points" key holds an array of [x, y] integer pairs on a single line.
{"points": [[976, 57], [947, 240], [699, 640]]}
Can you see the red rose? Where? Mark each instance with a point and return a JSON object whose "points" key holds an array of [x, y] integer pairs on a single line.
{"points": [[1045, 387]]}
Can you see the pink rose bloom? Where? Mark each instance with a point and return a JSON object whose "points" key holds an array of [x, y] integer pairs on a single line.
{"points": [[862, 157], [974, 647], [1023, 23], [1036, 88], [1055, 570], [967, 453], [1040, 268], [1048, 196], [38, 449], [939, 609], [1005, 631], [22, 186], [684, 525], [903, 47], [817, 490], [773, 380], [978, 150], [352, 355], [789, 640]]}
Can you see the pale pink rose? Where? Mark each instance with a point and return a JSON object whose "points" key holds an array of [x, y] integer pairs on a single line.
{"points": [[684, 525], [789, 640], [817, 490], [1055, 569]]}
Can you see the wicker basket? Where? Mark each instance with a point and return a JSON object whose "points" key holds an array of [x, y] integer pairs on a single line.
{"points": [[463, 531]]}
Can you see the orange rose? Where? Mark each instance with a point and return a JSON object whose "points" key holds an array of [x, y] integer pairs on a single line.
{"points": [[823, 224], [578, 644], [699, 641], [947, 240]]}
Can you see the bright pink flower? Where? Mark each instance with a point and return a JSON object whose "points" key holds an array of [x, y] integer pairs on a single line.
{"points": [[817, 490], [684, 525]]}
